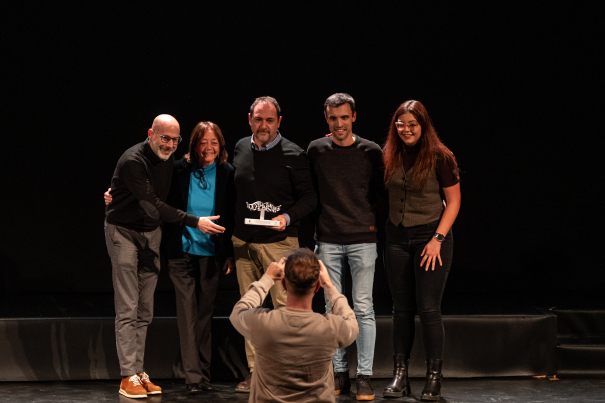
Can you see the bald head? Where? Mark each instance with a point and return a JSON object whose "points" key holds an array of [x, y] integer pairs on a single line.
{"points": [[163, 135], [162, 122]]}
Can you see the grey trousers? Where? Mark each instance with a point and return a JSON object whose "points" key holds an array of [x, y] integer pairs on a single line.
{"points": [[135, 260]]}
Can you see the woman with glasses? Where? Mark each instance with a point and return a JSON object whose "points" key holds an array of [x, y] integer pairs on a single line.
{"points": [[422, 177], [202, 184]]}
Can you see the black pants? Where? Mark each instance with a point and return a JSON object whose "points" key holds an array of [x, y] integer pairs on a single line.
{"points": [[414, 289], [195, 281]]}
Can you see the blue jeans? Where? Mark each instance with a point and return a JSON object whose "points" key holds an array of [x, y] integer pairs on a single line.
{"points": [[362, 259]]}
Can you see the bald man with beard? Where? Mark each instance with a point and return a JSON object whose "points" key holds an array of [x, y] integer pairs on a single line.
{"points": [[139, 188]]}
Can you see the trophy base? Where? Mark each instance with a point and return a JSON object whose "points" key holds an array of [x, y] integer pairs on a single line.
{"points": [[268, 223]]}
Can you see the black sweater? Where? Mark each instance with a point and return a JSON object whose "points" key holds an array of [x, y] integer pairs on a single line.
{"points": [[349, 182], [139, 187], [280, 176]]}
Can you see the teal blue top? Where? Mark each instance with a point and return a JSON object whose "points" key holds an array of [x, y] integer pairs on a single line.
{"points": [[201, 204]]}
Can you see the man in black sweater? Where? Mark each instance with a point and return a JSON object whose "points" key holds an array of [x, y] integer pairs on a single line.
{"points": [[347, 172], [272, 179], [139, 187]]}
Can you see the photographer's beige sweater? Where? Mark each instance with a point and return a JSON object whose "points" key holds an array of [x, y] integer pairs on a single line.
{"points": [[294, 348]]}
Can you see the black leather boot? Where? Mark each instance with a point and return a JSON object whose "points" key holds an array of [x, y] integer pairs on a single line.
{"points": [[400, 384], [432, 388]]}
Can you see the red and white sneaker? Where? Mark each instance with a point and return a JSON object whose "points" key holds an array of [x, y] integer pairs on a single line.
{"points": [[131, 387], [148, 385]]}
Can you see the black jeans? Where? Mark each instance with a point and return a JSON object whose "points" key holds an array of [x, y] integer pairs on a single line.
{"points": [[415, 289], [195, 281]]}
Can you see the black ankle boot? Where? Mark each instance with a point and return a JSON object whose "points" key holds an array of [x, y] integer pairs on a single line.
{"points": [[432, 388], [400, 384]]}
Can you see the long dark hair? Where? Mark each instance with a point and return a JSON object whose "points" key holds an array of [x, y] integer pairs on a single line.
{"points": [[431, 146], [192, 155]]}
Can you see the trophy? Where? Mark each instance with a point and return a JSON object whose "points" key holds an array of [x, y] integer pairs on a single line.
{"points": [[262, 207]]}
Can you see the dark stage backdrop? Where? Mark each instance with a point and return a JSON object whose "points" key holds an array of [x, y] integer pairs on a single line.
{"points": [[514, 90]]}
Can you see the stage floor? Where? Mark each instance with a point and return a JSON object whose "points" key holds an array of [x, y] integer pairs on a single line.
{"points": [[518, 390]]}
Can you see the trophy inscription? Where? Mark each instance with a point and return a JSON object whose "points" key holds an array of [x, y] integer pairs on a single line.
{"points": [[262, 207]]}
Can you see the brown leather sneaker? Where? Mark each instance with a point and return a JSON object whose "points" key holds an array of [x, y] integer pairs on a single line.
{"points": [[244, 386], [342, 383], [148, 385], [365, 390], [131, 387]]}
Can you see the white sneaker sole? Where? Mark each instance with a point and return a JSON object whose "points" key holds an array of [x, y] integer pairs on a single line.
{"points": [[123, 392]]}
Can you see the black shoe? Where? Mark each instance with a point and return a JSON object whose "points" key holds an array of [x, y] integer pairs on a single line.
{"points": [[205, 385], [365, 390], [400, 384], [432, 388], [342, 383], [193, 389], [244, 386]]}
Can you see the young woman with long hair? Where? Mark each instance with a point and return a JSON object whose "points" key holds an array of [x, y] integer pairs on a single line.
{"points": [[422, 177]]}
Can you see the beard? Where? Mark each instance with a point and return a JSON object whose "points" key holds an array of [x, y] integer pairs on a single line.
{"points": [[161, 150], [264, 135]]}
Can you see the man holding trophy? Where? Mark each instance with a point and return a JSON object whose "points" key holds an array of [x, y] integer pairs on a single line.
{"points": [[274, 192]]}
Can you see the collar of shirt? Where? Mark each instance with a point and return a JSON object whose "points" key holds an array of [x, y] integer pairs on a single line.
{"points": [[267, 146]]}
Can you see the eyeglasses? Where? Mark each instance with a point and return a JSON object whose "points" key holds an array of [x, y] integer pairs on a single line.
{"points": [[401, 125], [166, 139]]}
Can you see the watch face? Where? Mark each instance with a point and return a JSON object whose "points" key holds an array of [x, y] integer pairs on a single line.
{"points": [[440, 237]]}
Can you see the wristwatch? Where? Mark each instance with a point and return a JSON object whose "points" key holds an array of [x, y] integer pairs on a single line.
{"points": [[440, 237]]}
